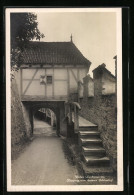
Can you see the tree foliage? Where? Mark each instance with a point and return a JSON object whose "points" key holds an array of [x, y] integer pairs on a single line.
{"points": [[24, 27]]}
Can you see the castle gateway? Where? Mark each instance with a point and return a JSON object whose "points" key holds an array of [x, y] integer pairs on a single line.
{"points": [[49, 74]]}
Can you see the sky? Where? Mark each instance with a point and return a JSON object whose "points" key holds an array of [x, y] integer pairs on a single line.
{"points": [[94, 34]]}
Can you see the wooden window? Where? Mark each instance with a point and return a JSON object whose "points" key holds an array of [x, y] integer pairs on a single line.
{"points": [[49, 79]]}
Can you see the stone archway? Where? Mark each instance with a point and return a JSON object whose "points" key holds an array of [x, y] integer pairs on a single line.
{"points": [[56, 106], [51, 105]]}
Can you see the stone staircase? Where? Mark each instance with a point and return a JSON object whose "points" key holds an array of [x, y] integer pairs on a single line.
{"points": [[94, 159]]}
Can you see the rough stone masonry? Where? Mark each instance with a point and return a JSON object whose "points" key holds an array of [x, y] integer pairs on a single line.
{"points": [[102, 111]]}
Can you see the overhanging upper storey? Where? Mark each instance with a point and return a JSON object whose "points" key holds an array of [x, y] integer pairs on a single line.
{"points": [[51, 70]]}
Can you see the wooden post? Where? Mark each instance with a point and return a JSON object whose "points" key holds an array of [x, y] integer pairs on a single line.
{"points": [[52, 119], [32, 120], [70, 115], [58, 123], [76, 120]]}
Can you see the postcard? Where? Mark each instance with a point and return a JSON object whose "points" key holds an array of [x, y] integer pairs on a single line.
{"points": [[64, 99]]}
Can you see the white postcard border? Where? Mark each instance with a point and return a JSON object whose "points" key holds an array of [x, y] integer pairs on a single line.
{"points": [[119, 186]]}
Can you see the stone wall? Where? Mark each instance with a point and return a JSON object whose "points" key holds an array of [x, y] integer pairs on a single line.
{"points": [[101, 110], [20, 131]]}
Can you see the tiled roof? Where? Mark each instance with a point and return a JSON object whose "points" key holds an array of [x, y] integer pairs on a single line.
{"points": [[52, 53], [103, 67]]}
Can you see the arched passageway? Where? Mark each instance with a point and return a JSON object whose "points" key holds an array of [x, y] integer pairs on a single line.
{"points": [[58, 107], [44, 122]]}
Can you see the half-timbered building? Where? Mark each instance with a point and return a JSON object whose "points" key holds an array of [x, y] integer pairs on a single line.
{"points": [[49, 75]]}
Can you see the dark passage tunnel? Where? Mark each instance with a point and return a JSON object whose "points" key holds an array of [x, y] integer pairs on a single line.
{"points": [[37, 110], [45, 122]]}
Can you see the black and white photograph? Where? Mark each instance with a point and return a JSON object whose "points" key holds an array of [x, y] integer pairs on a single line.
{"points": [[64, 99]]}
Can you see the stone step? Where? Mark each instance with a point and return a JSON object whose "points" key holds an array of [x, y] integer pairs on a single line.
{"points": [[94, 151], [90, 142], [97, 171], [88, 128], [96, 161], [88, 134]]}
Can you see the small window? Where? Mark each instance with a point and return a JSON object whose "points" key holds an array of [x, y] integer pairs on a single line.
{"points": [[49, 79]]}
